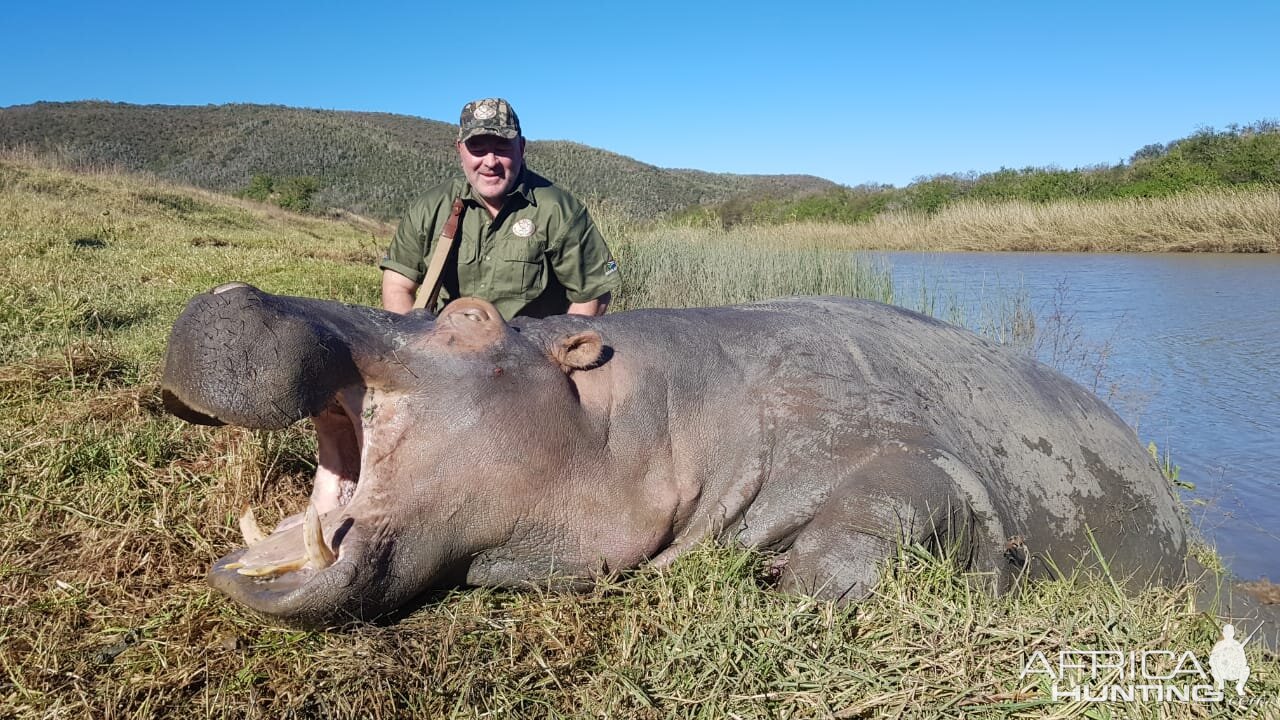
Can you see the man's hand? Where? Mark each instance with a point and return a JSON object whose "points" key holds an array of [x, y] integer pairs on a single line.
{"points": [[590, 307], [398, 292]]}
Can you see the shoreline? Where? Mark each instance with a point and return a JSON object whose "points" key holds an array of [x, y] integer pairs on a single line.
{"points": [[1243, 221]]}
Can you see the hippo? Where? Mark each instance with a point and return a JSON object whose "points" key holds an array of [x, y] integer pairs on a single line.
{"points": [[830, 432]]}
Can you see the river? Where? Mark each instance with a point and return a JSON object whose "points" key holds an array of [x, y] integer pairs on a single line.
{"points": [[1185, 346]]}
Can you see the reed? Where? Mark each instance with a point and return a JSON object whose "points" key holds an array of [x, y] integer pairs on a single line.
{"points": [[1236, 220]]}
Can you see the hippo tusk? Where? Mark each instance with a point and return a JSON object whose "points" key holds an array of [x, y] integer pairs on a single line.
{"points": [[249, 527], [272, 569], [274, 558], [318, 552]]}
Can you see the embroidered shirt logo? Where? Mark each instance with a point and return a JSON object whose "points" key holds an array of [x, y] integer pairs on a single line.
{"points": [[523, 228], [610, 268]]}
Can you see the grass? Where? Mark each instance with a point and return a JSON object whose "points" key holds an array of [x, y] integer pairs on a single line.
{"points": [[112, 511], [682, 267], [1235, 220]]}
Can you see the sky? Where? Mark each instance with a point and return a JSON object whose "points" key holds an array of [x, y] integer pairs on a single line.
{"points": [[856, 92]]}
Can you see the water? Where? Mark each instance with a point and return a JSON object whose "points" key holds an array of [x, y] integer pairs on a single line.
{"points": [[1185, 346]]}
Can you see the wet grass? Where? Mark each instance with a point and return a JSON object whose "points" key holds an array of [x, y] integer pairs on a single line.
{"points": [[111, 512]]}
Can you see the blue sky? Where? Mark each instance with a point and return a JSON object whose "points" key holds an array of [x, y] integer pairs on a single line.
{"points": [[854, 92]]}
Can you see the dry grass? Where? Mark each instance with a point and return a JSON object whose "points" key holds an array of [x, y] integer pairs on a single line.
{"points": [[111, 512], [1226, 221]]}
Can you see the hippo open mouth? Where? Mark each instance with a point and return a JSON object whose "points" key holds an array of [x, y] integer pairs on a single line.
{"points": [[339, 441], [392, 514], [266, 365]]}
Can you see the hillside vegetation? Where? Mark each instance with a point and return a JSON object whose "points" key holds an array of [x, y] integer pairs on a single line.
{"points": [[367, 163], [1208, 161], [111, 512], [372, 164]]}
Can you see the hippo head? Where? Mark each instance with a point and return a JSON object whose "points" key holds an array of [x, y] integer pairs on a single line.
{"points": [[435, 436]]}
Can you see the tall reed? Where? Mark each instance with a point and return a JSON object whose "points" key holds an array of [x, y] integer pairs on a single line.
{"points": [[1237, 220]]}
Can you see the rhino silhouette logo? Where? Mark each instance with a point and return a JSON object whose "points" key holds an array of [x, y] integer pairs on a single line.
{"points": [[1227, 661]]}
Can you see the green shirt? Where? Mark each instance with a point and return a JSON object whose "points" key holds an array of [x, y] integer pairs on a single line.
{"points": [[541, 253]]}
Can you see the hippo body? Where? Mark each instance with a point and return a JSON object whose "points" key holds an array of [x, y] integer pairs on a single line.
{"points": [[465, 450]]}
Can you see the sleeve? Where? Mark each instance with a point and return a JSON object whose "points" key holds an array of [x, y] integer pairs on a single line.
{"points": [[582, 261], [411, 244]]}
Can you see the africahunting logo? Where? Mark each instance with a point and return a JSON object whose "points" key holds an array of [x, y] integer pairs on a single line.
{"points": [[1145, 675]]}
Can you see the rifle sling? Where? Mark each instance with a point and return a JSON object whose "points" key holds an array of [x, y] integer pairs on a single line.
{"points": [[429, 291]]}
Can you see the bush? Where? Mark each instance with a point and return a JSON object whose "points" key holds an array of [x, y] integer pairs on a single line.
{"points": [[295, 193], [260, 188], [292, 193]]}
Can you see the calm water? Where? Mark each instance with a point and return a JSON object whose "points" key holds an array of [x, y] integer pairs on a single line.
{"points": [[1190, 355]]}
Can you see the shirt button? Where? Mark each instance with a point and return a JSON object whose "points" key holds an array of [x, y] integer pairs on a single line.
{"points": [[486, 257]]}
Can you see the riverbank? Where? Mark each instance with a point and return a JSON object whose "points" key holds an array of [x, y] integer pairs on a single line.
{"points": [[1234, 220], [111, 511]]}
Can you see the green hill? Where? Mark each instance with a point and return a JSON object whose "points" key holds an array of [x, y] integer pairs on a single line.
{"points": [[368, 163]]}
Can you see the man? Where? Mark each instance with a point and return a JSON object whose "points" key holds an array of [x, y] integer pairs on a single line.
{"points": [[523, 244]]}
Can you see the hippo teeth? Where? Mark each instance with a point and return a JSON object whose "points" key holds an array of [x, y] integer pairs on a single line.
{"points": [[270, 569], [249, 527], [278, 556], [318, 552]]}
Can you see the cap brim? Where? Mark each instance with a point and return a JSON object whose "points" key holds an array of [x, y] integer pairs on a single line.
{"points": [[508, 133]]}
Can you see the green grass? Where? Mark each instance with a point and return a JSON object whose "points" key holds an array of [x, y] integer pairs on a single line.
{"points": [[111, 512], [682, 267]]}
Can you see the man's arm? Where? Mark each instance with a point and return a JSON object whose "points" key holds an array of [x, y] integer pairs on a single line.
{"points": [[398, 292], [590, 307], [582, 262]]}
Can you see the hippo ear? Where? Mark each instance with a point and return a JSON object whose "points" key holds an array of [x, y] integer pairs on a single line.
{"points": [[578, 351], [471, 323]]}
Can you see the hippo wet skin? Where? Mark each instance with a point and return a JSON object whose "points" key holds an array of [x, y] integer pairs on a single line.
{"points": [[466, 450]]}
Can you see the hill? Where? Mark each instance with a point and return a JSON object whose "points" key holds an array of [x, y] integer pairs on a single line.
{"points": [[368, 163]]}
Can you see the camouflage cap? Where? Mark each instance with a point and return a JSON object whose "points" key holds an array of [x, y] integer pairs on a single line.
{"points": [[490, 116]]}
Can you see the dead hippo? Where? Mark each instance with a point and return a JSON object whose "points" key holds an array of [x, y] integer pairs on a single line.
{"points": [[464, 449]]}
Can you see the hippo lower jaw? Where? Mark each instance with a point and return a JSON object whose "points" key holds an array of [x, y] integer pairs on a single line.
{"points": [[273, 596], [316, 549], [300, 541]]}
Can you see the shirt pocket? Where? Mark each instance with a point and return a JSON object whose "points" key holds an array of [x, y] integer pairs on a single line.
{"points": [[522, 271]]}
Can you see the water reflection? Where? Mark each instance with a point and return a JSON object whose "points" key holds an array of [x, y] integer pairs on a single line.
{"points": [[1186, 347]]}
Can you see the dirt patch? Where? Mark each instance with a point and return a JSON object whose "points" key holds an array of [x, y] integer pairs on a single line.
{"points": [[210, 241], [1264, 591]]}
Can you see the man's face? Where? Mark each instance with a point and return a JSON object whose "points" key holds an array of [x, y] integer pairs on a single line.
{"points": [[492, 164]]}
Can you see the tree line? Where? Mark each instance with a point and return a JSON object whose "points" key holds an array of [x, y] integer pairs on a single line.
{"points": [[1238, 156]]}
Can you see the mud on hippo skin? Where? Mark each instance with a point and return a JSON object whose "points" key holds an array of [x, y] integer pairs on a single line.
{"points": [[462, 449]]}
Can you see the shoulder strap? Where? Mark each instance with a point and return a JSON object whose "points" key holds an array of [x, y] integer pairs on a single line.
{"points": [[429, 292]]}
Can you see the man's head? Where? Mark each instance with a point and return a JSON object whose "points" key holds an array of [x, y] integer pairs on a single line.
{"points": [[490, 148]]}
